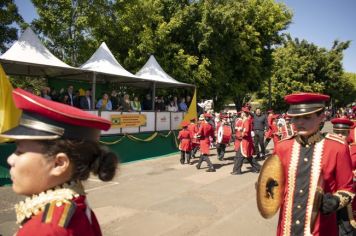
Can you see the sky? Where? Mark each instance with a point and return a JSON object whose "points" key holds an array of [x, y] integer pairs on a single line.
{"points": [[318, 21]]}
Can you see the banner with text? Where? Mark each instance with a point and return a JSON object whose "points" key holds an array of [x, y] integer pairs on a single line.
{"points": [[127, 120]]}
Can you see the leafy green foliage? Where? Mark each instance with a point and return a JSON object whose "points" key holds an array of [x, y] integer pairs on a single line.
{"points": [[223, 47], [300, 66], [8, 16]]}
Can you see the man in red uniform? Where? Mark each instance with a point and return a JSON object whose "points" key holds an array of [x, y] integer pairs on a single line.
{"points": [[245, 141], [346, 217], [205, 132], [185, 145], [268, 134], [309, 159], [193, 128]]}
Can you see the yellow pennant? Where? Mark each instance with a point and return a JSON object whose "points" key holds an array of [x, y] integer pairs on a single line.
{"points": [[9, 114], [192, 110]]}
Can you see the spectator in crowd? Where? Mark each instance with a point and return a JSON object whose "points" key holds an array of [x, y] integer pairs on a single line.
{"points": [[175, 99], [172, 106], [76, 99], [159, 105], [104, 104], [54, 95], [182, 105], [147, 103], [188, 100], [126, 103], [64, 98], [45, 93], [85, 101], [135, 104], [70, 100], [260, 125], [114, 98]]}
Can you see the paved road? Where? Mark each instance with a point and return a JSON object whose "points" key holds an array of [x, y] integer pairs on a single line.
{"points": [[162, 197]]}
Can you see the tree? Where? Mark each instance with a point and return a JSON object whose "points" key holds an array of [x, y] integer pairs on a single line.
{"points": [[8, 16], [63, 26], [223, 47], [300, 66]]}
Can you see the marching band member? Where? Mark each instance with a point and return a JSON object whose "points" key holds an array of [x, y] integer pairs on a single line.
{"points": [[346, 217], [245, 141], [185, 145], [205, 133], [193, 128], [57, 149], [310, 161], [220, 146]]}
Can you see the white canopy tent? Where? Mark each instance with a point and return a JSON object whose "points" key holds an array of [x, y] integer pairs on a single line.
{"points": [[152, 71], [104, 62], [28, 56]]}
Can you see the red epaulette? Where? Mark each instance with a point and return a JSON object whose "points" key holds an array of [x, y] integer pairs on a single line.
{"points": [[59, 215], [335, 138]]}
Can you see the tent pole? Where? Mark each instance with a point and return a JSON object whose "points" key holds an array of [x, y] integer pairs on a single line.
{"points": [[153, 95], [93, 88]]}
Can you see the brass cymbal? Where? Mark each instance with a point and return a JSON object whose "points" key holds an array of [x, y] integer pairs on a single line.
{"points": [[270, 187]]}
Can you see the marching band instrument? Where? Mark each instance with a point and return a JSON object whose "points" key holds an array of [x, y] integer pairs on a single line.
{"points": [[270, 187]]}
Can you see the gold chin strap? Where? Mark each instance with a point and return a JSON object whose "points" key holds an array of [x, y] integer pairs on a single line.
{"points": [[38, 125], [316, 137]]}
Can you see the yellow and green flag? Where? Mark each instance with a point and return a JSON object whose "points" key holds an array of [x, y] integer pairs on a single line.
{"points": [[192, 110], [9, 114]]}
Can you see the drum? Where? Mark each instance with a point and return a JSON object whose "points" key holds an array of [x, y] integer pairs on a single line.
{"points": [[224, 134]]}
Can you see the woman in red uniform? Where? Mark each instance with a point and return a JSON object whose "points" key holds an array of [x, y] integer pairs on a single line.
{"points": [[185, 145], [57, 148]]}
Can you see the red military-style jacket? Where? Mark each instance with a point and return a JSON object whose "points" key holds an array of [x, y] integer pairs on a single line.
{"points": [[184, 137], [328, 158], [246, 143], [238, 133], [269, 132], [205, 132], [193, 128], [70, 219]]}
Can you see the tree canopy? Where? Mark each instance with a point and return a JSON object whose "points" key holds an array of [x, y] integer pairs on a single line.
{"points": [[300, 66], [8, 17], [224, 47]]}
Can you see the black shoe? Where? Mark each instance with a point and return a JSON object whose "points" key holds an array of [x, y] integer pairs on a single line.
{"points": [[210, 170], [255, 171], [198, 167], [220, 159], [236, 173]]}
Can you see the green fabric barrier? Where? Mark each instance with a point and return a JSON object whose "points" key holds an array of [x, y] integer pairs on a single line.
{"points": [[5, 151], [127, 149]]}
